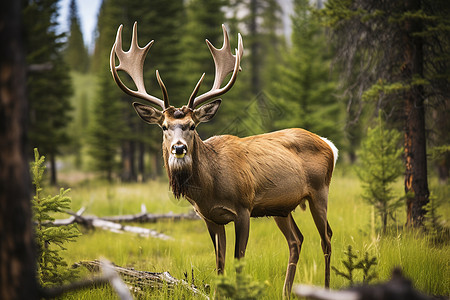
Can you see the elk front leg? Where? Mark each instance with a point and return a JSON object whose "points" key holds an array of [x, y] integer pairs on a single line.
{"points": [[242, 228], [218, 237]]}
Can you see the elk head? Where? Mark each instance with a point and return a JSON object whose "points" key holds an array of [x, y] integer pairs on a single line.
{"points": [[178, 124]]}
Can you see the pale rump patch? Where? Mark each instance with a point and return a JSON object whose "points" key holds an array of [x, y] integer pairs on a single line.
{"points": [[333, 148]]}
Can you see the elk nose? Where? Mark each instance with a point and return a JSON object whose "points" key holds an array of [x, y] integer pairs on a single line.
{"points": [[179, 150]]}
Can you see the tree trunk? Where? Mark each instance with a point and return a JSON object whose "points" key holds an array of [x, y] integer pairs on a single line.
{"points": [[53, 178], [416, 184], [17, 251], [128, 157], [255, 57], [158, 165], [141, 162]]}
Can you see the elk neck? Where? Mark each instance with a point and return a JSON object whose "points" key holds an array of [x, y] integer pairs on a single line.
{"points": [[195, 174]]}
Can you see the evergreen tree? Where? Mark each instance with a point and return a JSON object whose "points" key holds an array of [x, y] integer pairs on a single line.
{"points": [[160, 21], [76, 54], [203, 21], [304, 88], [107, 126], [263, 25], [49, 88], [50, 239], [404, 79], [380, 166], [105, 129]]}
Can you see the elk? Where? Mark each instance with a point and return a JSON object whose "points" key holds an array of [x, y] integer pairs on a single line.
{"points": [[230, 179]]}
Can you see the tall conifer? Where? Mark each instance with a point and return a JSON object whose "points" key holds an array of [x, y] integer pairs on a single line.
{"points": [[396, 53], [304, 87], [48, 86], [76, 54]]}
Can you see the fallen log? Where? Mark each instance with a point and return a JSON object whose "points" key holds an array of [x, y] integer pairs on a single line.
{"points": [[96, 222], [144, 217], [140, 280], [109, 275]]}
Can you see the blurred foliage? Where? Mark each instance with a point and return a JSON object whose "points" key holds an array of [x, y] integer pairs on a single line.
{"points": [[306, 90], [48, 82], [76, 54], [286, 81], [239, 288]]}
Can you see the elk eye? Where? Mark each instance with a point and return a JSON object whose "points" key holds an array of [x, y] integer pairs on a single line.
{"points": [[164, 127], [192, 127]]}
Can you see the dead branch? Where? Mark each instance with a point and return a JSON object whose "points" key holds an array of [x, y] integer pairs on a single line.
{"points": [[140, 280], [40, 68], [109, 275], [398, 287], [152, 218], [96, 222]]}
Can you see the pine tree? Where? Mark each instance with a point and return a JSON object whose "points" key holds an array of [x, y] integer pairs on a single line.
{"points": [[381, 164], [50, 239], [49, 89], [105, 130], [305, 89], [203, 21], [107, 126], [76, 54], [407, 78], [119, 129]]}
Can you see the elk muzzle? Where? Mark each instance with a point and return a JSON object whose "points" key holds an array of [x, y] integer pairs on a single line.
{"points": [[179, 150]]}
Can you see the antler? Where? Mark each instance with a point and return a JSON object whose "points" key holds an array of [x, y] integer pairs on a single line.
{"points": [[132, 62], [225, 63]]}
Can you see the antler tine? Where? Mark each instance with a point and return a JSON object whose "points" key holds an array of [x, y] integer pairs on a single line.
{"points": [[163, 89], [225, 63], [132, 62]]}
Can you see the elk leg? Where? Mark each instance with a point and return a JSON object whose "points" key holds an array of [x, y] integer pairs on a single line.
{"points": [[242, 229], [218, 237], [318, 209], [294, 239]]}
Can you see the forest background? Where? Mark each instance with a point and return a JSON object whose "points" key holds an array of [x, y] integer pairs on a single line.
{"points": [[330, 75], [343, 64]]}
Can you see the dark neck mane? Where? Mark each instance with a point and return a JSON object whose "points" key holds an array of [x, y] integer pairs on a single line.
{"points": [[185, 180], [179, 182]]}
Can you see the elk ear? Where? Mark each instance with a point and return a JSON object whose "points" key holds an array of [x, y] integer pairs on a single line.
{"points": [[148, 113], [206, 112]]}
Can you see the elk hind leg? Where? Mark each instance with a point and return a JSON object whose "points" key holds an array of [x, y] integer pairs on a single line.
{"points": [[294, 239], [318, 207]]}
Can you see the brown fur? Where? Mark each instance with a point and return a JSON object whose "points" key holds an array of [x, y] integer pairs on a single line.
{"points": [[230, 179], [248, 170]]}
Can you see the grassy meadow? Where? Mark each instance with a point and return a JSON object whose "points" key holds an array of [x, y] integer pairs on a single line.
{"points": [[191, 251]]}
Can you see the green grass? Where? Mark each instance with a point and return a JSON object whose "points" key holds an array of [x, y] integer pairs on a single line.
{"points": [[352, 220]]}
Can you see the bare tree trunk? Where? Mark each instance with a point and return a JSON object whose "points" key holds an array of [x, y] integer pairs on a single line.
{"points": [[416, 184], [17, 256], [128, 160], [141, 161], [255, 58], [53, 178], [158, 163]]}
